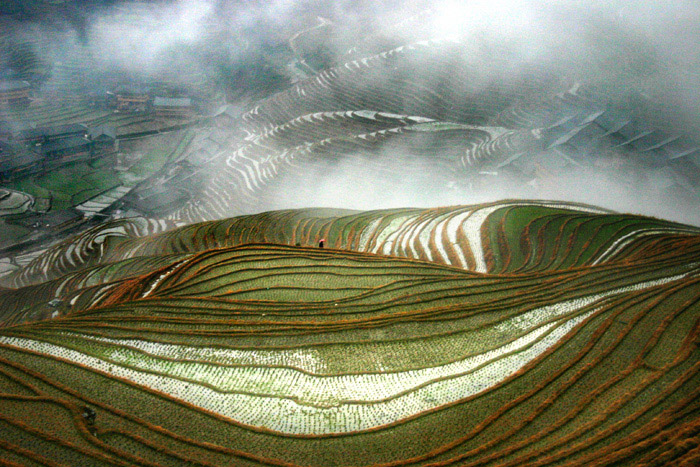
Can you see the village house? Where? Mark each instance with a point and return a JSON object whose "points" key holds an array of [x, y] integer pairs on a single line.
{"points": [[14, 93], [66, 150], [17, 161], [46, 134], [37, 150], [132, 99], [173, 107], [104, 139]]}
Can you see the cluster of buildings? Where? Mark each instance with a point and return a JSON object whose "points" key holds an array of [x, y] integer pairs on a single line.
{"points": [[38, 150], [137, 99], [16, 93]]}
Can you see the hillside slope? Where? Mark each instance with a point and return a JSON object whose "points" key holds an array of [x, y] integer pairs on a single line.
{"points": [[196, 346]]}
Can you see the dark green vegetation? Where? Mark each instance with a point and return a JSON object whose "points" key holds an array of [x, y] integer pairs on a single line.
{"points": [[70, 185], [224, 343]]}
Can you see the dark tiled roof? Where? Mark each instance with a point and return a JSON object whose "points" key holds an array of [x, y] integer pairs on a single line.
{"points": [[172, 102], [13, 156], [101, 131], [64, 143], [52, 132]]}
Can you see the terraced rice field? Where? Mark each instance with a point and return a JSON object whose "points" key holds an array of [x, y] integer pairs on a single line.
{"points": [[424, 112], [390, 102], [512, 333]]}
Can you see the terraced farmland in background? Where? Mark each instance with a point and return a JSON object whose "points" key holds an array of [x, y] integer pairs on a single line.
{"points": [[225, 343], [390, 103], [428, 112]]}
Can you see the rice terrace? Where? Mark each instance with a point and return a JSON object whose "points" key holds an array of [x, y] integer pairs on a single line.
{"points": [[324, 233]]}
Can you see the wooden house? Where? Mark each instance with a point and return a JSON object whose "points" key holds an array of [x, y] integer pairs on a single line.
{"points": [[66, 150], [132, 99], [44, 135], [104, 139], [17, 161], [173, 107]]}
